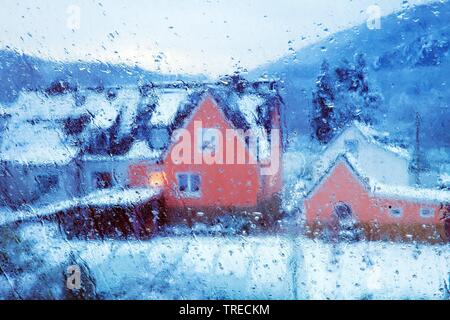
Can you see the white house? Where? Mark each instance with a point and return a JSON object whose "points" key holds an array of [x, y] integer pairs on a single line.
{"points": [[386, 163], [104, 172], [36, 157], [35, 164]]}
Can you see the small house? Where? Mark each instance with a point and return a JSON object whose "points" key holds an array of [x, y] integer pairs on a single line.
{"points": [[383, 211], [36, 165]]}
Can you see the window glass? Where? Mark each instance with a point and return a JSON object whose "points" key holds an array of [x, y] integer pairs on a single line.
{"points": [[188, 182], [214, 149], [103, 180], [47, 182], [195, 183], [396, 212], [426, 212], [183, 182]]}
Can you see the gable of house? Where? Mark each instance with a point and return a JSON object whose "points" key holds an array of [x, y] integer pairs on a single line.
{"points": [[220, 184], [340, 183], [371, 201], [386, 163]]}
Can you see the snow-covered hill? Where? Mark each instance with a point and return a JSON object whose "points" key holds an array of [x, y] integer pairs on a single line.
{"points": [[20, 71], [408, 61]]}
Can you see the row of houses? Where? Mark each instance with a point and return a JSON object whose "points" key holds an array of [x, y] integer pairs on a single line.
{"points": [[49, 152], [73, 143]]}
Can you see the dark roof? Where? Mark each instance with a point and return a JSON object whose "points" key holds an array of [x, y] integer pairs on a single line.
{"points": [[226, 95]]}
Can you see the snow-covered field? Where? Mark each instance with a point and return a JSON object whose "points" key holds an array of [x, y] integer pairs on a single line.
{"points": [[271, 267]]}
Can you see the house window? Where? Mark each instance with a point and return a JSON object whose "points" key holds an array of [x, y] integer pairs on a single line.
{"points": [[189, 183], [103, 180], [46, 182], [352, 146], [208, 140], [426, 212], [395, 212]]}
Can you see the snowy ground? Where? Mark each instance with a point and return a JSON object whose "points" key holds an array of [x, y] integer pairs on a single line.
{"points": [[239, 267]]}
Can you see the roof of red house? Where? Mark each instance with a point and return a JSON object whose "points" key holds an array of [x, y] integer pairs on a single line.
{"points": [[245, 104], [383, 190], [247, 108]]}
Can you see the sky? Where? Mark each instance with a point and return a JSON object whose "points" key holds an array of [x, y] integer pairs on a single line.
{"points": [[212, 37]]}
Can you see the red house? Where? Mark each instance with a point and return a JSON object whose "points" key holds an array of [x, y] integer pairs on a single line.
{"points": [[224, 155], [383, 212]]}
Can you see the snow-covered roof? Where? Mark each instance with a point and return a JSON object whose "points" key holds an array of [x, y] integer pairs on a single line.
{"points": [[103, 111], [37, 143], [406, 192], [141, 150], [105, 106], [384, 190], [445, 178], [127, 101], [169, 102], [371, 135], [38, 105], [100, 198], [248, 105], [2, 111], [373, 157], [175, 106], [399, 191]]}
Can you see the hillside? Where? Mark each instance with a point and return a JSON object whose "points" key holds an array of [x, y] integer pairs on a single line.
{"points": [[20, 71], [408, 62]]}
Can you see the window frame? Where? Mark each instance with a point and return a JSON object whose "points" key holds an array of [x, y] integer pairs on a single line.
{"points": [[189, 193], [391, 209], [96, 174], [432, 215], [39, 178]]}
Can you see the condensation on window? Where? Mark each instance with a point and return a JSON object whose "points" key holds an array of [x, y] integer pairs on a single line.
{"points": [[224, 149]]}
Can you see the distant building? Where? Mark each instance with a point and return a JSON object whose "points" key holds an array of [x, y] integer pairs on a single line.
{"points": [[42, 153], [59, 145], [387, 163], [109, 172], [384, 211], [36, 165]]}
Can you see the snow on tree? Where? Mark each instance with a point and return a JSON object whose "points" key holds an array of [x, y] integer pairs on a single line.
{"points": [[323, 100], [355, 97], [343, 96]]}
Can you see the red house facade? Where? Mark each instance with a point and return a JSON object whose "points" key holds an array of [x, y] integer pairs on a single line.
{"points": [[383, 212], [214, 163]]}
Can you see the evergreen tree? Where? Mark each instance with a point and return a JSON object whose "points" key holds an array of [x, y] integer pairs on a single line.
{"points": [[355, 99], [323, 104], [342, 97]]}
